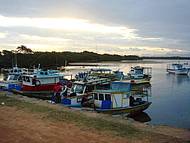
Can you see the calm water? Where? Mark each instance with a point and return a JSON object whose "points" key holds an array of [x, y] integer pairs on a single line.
{"points": [[170, 95]]}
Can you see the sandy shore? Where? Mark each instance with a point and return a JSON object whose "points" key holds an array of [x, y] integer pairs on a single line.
{"points": [[24, 119]]}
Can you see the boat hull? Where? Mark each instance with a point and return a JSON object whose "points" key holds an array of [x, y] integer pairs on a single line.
{"points": [[45, 87], [127, 110], [138, 81], [178, 72], [36, 94], [42, 91]]}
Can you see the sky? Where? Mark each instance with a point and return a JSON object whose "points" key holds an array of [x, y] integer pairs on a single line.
{"points": [[125, 27]]}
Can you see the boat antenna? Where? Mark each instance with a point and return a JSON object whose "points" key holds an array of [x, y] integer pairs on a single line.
{"points": [[38, 66], [16, 59]]}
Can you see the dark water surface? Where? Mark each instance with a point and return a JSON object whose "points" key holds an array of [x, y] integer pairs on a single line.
{"points": [[170, 94], [170, 97]]}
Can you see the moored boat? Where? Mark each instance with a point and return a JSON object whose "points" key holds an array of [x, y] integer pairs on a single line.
{"points": [[81, 90], [100, 73], [40, 83], [13, 79], [119, 100], [139, 75], [178, 69]]}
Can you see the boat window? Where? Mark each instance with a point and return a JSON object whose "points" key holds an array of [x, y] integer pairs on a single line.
{"points": [[101, 97], [78, 88], [95, 96], [139, 71], [61, 78], [108, 97], [27, 79], [89, 88], [20, 78], [13, 77]]}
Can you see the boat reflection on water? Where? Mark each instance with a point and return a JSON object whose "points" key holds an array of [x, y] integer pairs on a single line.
{"points": [[143, 89], [141, 117], [179, 79], [140, 90]]}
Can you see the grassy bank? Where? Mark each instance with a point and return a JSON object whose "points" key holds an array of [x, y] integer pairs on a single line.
{"points": [[73, 117], [78, 118]]}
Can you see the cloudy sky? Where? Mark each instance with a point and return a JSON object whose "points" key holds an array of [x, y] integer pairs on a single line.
{"points": [[141, 27]]}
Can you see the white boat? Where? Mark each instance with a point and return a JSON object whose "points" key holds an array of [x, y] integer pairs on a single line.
{"points": [[40, 82], [178, 69], [100, 73], [82, 89], [14, 77], [139, 75]]}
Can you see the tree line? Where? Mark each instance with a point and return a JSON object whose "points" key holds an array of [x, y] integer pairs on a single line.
{"points": [[25, 57]]}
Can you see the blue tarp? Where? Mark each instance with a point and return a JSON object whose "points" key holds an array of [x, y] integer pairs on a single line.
{"points": [[66, 101], [106, 104]]}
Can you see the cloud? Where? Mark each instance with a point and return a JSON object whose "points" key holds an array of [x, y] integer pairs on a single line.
{"points": [[71, 24], [107, 24], [3, 35]]}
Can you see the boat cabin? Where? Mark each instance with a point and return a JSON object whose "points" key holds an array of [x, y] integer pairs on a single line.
{"points": [[41, 80], [178, 68], [81, 89], [140, 72], [118, 99]]}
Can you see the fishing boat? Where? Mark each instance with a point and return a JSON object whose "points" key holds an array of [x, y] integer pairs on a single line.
{"points": [[13, 79], [178, 69], [118, 100], [139, 75], [100, 73], [40, 82], [81, 90]]}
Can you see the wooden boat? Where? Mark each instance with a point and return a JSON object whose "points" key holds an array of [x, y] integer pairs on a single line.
{"points": [[100, 73], [81, 90], [139, 75], [40, 83], [119, 100], [178, 69]]}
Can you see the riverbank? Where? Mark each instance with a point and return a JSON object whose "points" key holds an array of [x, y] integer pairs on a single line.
{"points": [[33, 120]]}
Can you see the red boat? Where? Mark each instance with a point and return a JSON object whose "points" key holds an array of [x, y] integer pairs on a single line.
{"points": [[40, 83]]}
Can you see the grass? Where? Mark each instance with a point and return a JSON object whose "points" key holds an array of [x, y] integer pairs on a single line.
{"points": [[72, 117]]}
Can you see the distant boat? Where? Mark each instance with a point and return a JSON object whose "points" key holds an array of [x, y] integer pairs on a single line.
{"points": [[100, 73], [178, 69], [119, 100], [139, 75]]}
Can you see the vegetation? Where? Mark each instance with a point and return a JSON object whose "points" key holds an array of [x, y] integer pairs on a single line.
{"points": [[25, 57], [71, 117]]}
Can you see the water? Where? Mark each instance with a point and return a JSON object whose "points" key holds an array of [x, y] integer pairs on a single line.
{"points": [[170, 94]]}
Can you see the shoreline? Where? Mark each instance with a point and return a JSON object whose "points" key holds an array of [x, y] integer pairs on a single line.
{"points": [[104, 123]]}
